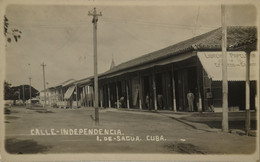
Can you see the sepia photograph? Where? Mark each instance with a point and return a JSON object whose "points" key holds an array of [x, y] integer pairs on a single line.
{"points": [[129, 80]]}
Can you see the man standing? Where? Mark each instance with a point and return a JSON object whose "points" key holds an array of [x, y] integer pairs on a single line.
{"points": [[190, 97], [210, 100], [147, 101]]}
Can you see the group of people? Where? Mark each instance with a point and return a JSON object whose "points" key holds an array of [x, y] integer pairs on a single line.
{"points": [[149, 101], [190, 98], [209, 97]]}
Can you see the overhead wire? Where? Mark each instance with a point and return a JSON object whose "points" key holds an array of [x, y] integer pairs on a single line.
{"points": [[50, 26], [124, 31], [196, 22], [158, 24]]}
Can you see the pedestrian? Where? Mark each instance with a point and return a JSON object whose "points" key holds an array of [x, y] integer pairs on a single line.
{"points": [[210, 100], [190, 97], [147, 101], [160, 101], [122, 102]]}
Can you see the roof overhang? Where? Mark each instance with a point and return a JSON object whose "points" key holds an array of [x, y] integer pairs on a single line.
{"points": [[174, 59], [236, 65]]}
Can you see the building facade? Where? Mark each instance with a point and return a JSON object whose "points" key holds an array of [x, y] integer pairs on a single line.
{"points": [[162, 79]]}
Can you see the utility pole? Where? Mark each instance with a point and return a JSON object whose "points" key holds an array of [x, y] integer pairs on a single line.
{"points": [[247, 93], [44, 85], [224, 72], [30, 92], [48, 94], [30, 86], [94, 21], [23, 97]]}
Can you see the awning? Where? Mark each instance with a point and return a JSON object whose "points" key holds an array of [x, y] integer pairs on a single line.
{"points": [[236, 65], [174, 59], [69, 92]]}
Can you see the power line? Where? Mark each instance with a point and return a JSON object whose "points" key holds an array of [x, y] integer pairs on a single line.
{"points": [[159, 24], [124, 31], [197, 18], [50, 26], [109, 19]]}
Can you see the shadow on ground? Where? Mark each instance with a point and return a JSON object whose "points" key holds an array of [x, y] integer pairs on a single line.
{"points": [[44, 111], [14, 146], [237, 124], [184, 148], [11, 117]]}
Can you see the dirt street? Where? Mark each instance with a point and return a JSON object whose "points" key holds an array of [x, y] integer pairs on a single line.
{"points": [[120, 131]]}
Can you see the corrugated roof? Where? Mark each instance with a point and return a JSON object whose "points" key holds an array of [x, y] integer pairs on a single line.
{"points": [[236, 36]]}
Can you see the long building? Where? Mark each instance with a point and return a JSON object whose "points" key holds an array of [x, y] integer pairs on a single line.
{"points": [[162, 79]]}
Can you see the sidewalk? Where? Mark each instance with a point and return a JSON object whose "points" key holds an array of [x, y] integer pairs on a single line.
{"points": [[207, 121]]}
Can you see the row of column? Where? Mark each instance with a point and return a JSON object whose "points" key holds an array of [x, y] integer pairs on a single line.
{"points": [[117, 96], [140, 93]]}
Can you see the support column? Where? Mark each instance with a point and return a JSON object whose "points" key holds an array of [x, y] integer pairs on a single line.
{"points": [[77, 95], [101, 97], [117, 97], [127, 95], [199, 71], [154, 92], [85, 96], [109, 99], [248, 92], [81, 98], [140, 92], [173, 91], [62, 98], [88, 96]]}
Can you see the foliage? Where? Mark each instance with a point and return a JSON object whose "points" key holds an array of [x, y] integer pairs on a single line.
{"points": [[15, 33], [16, 92], [8, 91]]}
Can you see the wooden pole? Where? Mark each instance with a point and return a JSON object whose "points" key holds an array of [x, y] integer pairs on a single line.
{"points": [[248, 93], [140, 92], [101, 97], [94, 21], [77, 95], [127, 95], [224, 72], [44, 85], [30, 81], [117, 96], [62, 95], [109, 98], [199, 87], [154, 92], [173, 91]]}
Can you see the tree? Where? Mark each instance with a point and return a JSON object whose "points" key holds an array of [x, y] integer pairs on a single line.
{"points": [[15, 33], [16, 92], [19, 91], [8, 91]]}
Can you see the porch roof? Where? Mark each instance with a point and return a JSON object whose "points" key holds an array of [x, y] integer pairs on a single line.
{"points": [[83, 81], [237, 36]]}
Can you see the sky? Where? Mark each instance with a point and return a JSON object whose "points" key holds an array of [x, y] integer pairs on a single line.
{"points": [[61, 36]]}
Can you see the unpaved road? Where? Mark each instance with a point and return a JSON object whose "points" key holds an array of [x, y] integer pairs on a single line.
{"points": [[156, 132]]}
